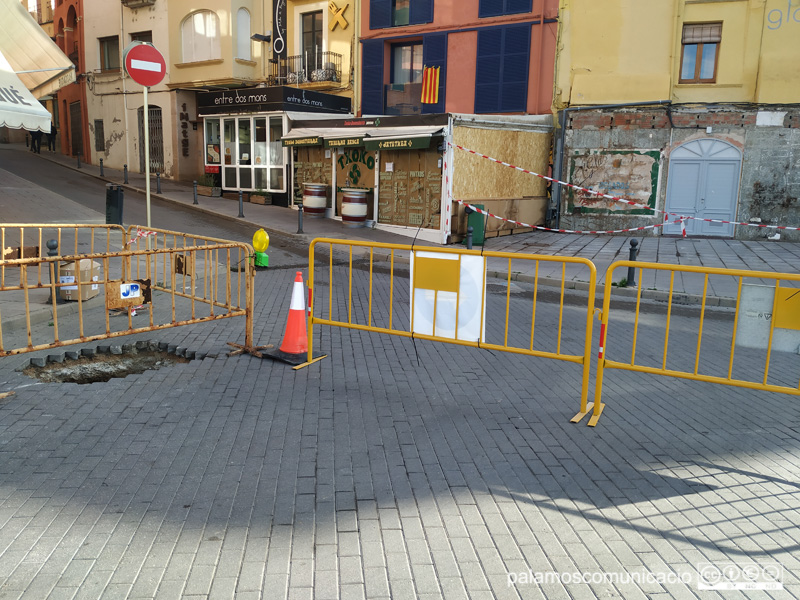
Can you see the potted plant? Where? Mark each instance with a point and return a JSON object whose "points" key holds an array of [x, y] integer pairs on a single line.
{"points": [[260, 197], [209, 185]]}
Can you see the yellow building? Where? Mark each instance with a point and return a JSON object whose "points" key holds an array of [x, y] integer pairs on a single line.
{"points": [[713, 130]]}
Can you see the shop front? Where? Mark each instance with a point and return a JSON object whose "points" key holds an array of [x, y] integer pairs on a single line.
{"points": [[243, 129]]}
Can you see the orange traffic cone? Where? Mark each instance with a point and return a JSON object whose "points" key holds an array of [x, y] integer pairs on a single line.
{"points": [[294, 347], [295, 339]]}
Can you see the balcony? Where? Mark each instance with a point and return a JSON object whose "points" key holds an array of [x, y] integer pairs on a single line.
{"points": [[138, 3], [320, 72], [404, 99]]}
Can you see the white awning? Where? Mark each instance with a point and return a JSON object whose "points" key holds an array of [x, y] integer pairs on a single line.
{"points": [[18, 108], [40, 64]]}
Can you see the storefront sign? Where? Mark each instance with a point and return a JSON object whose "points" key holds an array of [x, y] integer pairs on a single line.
{"points": [[212, 169], [355, 169], [183, 117], [279, 28], [306, 141], [337, 15], [344, 142], [249, 100], [412, 143]]}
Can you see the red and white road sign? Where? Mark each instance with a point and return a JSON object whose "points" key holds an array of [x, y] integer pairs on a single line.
{"points": [[144, 64]]}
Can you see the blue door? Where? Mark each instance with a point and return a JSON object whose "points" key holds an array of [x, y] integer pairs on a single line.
{"points": [[703, 182]]}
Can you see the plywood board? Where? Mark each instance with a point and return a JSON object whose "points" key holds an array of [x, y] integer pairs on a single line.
{"points": [[476, 177], [311, 166]]}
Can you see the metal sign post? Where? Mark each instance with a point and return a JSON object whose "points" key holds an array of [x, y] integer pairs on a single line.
{"points": [[146, 66]]}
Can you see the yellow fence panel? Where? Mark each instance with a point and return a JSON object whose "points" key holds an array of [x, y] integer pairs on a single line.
{"points": [[466, 297], [759, 328]]}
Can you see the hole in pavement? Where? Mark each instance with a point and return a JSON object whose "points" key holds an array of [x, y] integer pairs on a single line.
{"points": [[103, 367]]}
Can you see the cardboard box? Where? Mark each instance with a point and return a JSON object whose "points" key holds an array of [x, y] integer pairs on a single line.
{"points": [[90, 272]]}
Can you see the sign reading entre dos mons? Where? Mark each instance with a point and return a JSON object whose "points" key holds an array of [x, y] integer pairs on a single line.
{"points": [[629, 174]]}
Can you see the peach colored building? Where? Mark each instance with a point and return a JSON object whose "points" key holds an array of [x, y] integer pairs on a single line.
{"points": [[494, 56]]}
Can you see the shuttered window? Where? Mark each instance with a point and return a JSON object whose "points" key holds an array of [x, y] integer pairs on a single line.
{"points": [[434, 54], [503, 62], [495, 8], [394, 13], [372, 77]]}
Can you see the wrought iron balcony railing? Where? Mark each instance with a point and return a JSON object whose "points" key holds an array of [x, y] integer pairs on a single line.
{"points": [[321, 68]]}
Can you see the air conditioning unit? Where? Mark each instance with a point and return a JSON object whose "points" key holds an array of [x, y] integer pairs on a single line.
{"points": [[138, 3]]}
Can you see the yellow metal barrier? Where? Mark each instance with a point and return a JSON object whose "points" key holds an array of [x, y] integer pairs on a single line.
{"points": [[781, 312], [175, 285], [439, 273]]}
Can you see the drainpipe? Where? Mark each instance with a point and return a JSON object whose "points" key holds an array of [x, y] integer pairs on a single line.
{"points": [[124, 86], [554, 212]]}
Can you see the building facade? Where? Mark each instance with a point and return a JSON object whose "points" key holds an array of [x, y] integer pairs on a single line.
{"points": [[72, 124], [493, 56], [685, 109]]}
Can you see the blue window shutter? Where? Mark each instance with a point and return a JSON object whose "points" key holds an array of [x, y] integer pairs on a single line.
{"points": [[516, 56], [503, 62], [421, 11], [514, 7], [380, 14], [372, 77], [434, 54], [490, 8], [488, 72]]}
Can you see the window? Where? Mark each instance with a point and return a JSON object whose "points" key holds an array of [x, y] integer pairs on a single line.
{"points": [[109, 53], [407, 63], [501, 77], [99, 136], [142, 36], [243, 34], [312, 39], [699, 52], [200, 37], [396, 13], [495, 8]]}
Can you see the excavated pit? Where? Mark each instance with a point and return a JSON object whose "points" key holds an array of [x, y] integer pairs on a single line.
{"points": [[102, 367]]}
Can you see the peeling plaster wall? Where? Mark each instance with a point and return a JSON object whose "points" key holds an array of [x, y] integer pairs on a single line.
{"points": [[769, 141]]}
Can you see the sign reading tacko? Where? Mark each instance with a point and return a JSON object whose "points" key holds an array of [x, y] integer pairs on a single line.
{"points": [[144, 64]]}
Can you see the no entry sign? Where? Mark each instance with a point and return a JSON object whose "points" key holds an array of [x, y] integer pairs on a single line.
{"points": [[144, 64]]}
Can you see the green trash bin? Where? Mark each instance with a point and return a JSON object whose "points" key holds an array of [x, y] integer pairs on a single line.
{"points": [[477, 221]]}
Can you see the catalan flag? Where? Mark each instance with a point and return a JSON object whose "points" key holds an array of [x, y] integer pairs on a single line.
{"points": [[430, 85]]}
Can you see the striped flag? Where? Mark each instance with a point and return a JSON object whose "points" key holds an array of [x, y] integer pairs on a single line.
{"points": [[430, 85]]}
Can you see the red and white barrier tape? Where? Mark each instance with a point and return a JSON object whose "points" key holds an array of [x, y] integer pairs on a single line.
{"points": [[666, 214], [140, 233]]}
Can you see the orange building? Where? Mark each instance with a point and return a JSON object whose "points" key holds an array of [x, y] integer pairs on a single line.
{"points": [[493, 56], [73, 128]]}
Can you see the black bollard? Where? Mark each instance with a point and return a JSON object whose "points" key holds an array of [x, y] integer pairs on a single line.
{"points": [[194, 186], [79, 160], [101, 168], [632, 270], [52, 250], [299, 217], [469, 238], [158, 183], [125, 173], [241, 206]]}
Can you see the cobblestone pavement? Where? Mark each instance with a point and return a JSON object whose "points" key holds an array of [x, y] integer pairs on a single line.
{"points": [[394, 468]]}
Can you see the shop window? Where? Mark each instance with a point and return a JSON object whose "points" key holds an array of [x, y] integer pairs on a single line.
{"points": [[700, 52], [243, 34], [396, 13], [501, 78], [142, 36], [495, 8], [312, 40], [109, 53], [212, 142], [200, 37]]}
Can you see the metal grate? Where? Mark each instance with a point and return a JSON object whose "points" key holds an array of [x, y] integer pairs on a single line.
{"points": [[156, 133]]}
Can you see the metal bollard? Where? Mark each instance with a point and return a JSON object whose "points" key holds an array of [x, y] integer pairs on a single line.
{"points": [[79, 160], [469, 238], [52, 250], [241, 206], [299, 217], [194, 186], [125, 173], [158, 183], [632, 270], [101, 168]]}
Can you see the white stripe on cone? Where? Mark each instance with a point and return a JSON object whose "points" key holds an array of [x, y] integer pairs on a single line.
{"points": [[298, 301]]}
